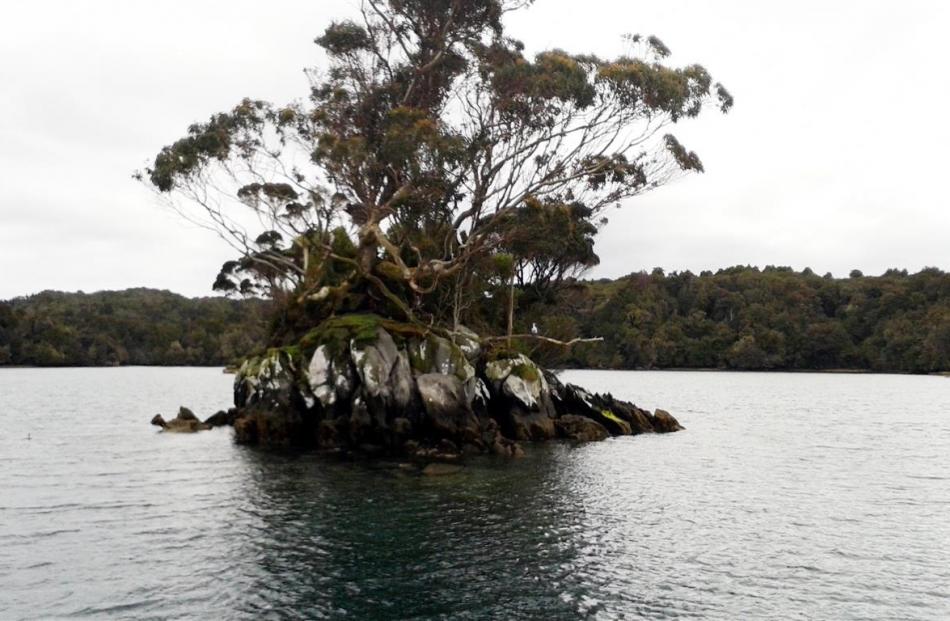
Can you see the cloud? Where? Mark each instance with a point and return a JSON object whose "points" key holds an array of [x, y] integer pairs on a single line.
{"points": [[832, 157]]}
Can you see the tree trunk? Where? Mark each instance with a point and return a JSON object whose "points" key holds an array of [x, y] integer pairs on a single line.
{"points": [[367, 250], [457, 304], [511, 310]]}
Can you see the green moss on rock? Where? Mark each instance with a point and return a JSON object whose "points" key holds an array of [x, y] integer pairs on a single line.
{"points": [[336, 333], [527, 372], [611, 416]]}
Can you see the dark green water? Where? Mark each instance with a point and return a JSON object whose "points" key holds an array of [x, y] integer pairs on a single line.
{"points": [[789, 496]]}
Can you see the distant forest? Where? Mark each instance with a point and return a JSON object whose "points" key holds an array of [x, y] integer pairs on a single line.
{"points": [[775, 318], [736, 318], [131, 327]]}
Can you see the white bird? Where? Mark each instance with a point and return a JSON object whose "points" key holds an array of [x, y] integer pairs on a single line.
{"points": [[534, 328]]}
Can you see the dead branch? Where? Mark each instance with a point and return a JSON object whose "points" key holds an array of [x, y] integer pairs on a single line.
{"points": [[545, 339]]}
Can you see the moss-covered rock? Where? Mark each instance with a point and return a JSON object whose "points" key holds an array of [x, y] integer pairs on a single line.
{"points": [[436, 354], [270, 378], [362, 382]]}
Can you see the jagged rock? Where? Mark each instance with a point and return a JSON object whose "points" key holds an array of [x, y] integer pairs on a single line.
{"points": [[478, 395], [185, 422], [527, 425], [269, 427], [320, 377], [221, 418], [521, 398], [616, 425], [640, 420], [383, 382], [374, 365], [469, 343], [448, 411], [361, 421], [245, 430], [345, 381], [504, 447], [267, 379], [578, 401], [581, 429], [665, 423], [360, 380], [402, 386], [186, 414], [434, 354]]}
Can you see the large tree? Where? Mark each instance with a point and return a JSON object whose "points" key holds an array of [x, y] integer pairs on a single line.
{"points": [[428, 150]]}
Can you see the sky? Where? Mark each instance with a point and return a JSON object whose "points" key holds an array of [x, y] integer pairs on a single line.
{"points": [[834, 156]]}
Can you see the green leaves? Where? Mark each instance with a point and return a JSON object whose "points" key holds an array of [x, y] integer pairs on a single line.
{"points": [[412, 139], [342, 38], [614, 169], [218, 139], [524, 88], [273, 191], [687, 160], [653, 88], [442, 150], [504, 265]]}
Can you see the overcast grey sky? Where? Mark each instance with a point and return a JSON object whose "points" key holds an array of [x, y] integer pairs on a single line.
{"points": [[834, 156]]}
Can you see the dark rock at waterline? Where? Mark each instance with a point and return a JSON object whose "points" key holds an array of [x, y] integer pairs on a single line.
{"points": [[186, 414], [448, 410], [580, 428], [438, 469], [664, 422], [185, 422], [361, 381], [222, 418]]}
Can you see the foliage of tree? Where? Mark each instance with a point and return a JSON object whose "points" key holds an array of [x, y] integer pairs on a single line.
{"points": [[746, 318], [132, 327], [737, 318], [413, 180]]}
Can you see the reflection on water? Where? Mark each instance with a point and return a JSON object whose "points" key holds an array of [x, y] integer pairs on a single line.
{"points": [[372, 541], [798, 495]]}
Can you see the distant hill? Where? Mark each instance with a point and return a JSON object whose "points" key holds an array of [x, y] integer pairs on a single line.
{"points": [[774, 318], [135, 326], [736, 318]]}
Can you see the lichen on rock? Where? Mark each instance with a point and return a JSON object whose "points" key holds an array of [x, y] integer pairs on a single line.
{"points": [[361, 382]]}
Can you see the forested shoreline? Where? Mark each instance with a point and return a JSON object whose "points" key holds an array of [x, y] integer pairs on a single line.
{"points": [[130, 327], [737, 318], [774, 318]]}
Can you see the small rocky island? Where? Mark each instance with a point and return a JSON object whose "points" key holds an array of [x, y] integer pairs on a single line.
{"points": [[434, 177], [372, 385]]}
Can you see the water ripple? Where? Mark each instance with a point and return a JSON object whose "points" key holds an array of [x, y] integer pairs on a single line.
{"points": [[791, 496]]}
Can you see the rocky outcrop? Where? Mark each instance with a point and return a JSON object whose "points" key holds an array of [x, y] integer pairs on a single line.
{"points": [[664, 422], [360, 382], [580, 428], [185, 422], [222, 418]]}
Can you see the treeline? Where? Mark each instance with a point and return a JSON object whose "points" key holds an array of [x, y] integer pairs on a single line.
{"points": [[736, 318], [131, 327], [746, 318]]}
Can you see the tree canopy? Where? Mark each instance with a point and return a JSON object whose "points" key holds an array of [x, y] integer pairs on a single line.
{"points": [[135, 326], [430, 153], [752, 319], [737, 318]]}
